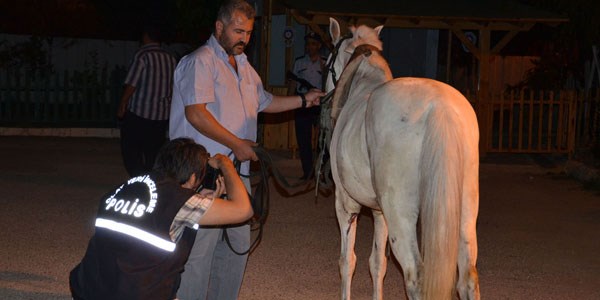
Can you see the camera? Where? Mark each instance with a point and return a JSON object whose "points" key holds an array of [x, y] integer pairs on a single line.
{"points": [[210, 178]]}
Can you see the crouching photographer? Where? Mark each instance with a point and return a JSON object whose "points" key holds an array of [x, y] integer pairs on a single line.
{"points": [[146, 226]]}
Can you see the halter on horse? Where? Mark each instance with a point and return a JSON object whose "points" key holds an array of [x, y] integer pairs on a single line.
{"points": [[413, 144]]}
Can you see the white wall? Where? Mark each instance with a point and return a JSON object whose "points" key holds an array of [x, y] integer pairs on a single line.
{"points": [[78, 54]]}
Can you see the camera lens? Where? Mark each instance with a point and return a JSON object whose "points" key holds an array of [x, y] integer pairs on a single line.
{"points": [[210, 178]]}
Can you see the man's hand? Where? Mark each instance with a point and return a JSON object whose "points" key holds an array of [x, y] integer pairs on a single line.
{"points": [[219, 161], [243, 150], [313, 97], [127, 93], [121, 110]]}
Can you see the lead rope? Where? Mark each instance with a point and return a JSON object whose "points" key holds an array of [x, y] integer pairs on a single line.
{"points": [[260, 212], [323, 165], [261, 199]]}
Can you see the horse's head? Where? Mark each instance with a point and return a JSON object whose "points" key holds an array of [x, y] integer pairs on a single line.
{"points": [[344, 47]]}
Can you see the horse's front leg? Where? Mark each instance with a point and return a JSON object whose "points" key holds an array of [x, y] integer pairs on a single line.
{"points": [[378, 260], [347, 214]]}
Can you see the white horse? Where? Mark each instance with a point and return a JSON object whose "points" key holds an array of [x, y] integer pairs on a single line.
{"points": [[407, 148]]}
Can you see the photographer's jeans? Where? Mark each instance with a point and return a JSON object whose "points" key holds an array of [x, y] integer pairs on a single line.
{"points": [[213, 271]]}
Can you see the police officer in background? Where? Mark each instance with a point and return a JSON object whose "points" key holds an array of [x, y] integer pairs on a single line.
{"points": [[145, 228], [307, 74]]}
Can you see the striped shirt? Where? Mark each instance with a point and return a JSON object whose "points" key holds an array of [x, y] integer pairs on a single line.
{"points": [[151, 73], [189, 215]]}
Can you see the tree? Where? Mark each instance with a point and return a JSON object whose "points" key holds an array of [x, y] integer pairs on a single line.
{"points": [[195, 19], [186, 21], [568, 46]]}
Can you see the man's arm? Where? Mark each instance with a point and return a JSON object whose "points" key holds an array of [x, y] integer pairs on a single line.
{"points": [[127, 93], [205, 123], [285, 103], [236, 208]]}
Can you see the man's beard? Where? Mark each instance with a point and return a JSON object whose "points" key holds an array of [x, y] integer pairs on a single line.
{"points": [[230, 50]]}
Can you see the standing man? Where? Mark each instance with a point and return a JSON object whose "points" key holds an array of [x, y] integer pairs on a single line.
{"points": [[309, 72], [145, 227], [217, 96], [145, 103]]}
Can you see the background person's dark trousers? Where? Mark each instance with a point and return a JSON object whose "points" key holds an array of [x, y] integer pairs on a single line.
{"points": [[304, 119], [140, 141]]}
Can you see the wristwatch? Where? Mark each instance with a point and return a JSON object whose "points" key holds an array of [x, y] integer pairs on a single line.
{"points": [[303, 100]]}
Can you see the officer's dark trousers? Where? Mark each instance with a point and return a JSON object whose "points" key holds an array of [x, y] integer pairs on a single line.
{"points": [[140, 141], [305, 118]]}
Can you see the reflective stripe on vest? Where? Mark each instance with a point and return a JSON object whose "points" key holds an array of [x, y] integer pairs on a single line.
{"points": [[136, 233]]}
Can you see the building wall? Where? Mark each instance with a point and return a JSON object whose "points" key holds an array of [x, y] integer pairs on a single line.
{"points": [[77, 54], [277, 60], [411, 52]]}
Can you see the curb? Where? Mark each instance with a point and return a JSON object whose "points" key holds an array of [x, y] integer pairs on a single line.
{"points": [[581, 171], [61, 132]]}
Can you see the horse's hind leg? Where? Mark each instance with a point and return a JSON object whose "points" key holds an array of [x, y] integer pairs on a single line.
{"points": [[401, 216], [468, 282], [378, 260], [347, 211]]}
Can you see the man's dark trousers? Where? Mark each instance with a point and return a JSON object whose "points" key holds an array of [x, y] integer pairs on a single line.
{"points": [[140, 141], [304, 120]]}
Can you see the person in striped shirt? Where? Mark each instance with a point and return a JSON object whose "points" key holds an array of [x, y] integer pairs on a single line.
{"points": [[145, 103]]}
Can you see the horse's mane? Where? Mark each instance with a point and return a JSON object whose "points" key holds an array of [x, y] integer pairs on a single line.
{"points": [[342, 89], [359, 78], [365, 35]]}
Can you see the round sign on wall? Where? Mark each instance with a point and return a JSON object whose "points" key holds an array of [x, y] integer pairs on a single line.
{"points": [[288, 36], [471, 37]]}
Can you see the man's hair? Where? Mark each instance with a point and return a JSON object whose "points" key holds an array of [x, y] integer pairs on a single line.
{"points": [[180, 158], [229, 6], [154, 31]]}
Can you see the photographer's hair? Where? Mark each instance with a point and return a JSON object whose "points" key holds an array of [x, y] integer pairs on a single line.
{"points": [[229, 6], [181, 157]]}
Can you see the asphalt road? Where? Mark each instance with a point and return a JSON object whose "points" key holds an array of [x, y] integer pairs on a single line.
{"points": [[538, 231]]}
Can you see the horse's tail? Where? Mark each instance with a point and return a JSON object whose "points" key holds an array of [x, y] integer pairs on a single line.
{"points": [[441, 181]]}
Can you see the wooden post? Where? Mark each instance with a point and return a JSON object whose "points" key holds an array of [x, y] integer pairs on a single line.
{"points": [[449, 58], [484, 89], [265, 43], [56, 103], [265, 52]]}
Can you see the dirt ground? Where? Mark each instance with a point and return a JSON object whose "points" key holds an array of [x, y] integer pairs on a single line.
{"points": [[538, 231]]}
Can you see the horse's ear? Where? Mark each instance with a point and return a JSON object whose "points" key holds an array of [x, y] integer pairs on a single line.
{"points": [[334, 30], [378, 29]]}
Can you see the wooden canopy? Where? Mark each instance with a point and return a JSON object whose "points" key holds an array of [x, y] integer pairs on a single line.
{"points": [[456, 16], [504, 16]]}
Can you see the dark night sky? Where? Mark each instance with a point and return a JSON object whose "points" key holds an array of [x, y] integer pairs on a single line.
{"points": [[106, 19], [110, 19]]}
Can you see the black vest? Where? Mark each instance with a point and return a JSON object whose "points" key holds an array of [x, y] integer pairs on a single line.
{"points": [[131, 256]]}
